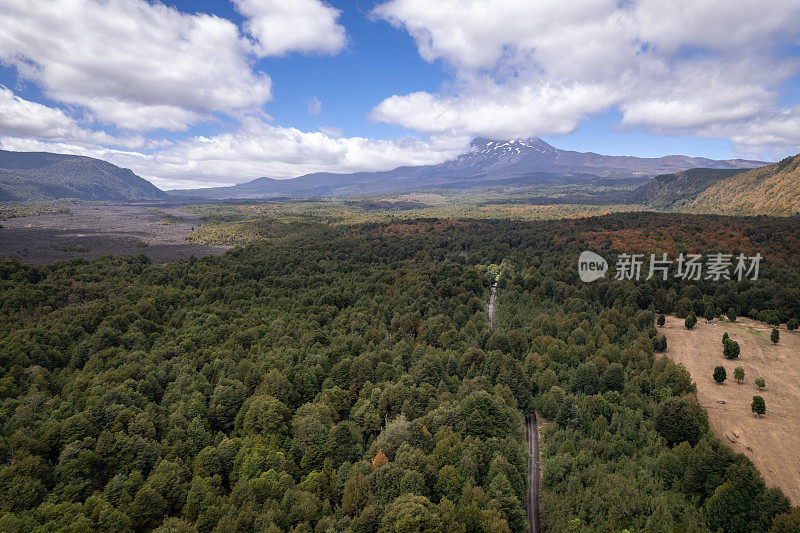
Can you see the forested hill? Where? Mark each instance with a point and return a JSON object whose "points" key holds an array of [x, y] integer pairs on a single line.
{"points": [[37, 176], [770, 190], [345, 378], [673, 191]]}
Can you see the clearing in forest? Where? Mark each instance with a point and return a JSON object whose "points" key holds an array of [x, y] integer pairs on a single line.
{"points": [[772, 441]]}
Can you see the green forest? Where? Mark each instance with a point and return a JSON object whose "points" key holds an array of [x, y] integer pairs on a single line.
{"points": [[343, 377]]}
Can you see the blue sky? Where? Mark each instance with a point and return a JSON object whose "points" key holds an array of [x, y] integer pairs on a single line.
{"points": [[216, 92]]}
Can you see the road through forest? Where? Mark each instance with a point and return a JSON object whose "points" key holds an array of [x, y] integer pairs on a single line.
{"points": [[532, 436], [532, 507], [491, 305]]}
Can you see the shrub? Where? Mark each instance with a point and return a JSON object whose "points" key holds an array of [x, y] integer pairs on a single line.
{"points": [[760, 383], [775, 336], [690, 321], [793, 324]]}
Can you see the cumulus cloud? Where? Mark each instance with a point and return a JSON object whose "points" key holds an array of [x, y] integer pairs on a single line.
{"points": [[20, 117], [131, 63], [258, 149], [143, 66], [529, 68], [279, 26]]}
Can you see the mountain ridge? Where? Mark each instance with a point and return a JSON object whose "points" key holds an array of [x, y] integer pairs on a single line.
{"points": [[526, 161], [45, 176]]}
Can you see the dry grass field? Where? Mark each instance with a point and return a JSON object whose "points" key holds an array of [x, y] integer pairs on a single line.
{"points": [[772, 442]]}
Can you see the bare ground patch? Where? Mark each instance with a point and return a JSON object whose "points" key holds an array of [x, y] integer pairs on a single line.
{"points": [[772, 442], [91, 231]]}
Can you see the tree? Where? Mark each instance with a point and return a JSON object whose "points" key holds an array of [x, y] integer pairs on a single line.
{"points": [[379, 460], [727, 509], [678, 421], [662, 320], [775, 336], [738, 374], [786, 522], [792, 324], [690, 321], [614, 377], [587, 379], [758, 406], [720, 375], [760, 383], [731, 349], [410, 513], [725, 337], [732, 314], [709, 311], [660, 344]]}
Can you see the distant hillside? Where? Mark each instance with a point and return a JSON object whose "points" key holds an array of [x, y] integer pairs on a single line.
{"points": [[769, 190], [488, 163], [38, 176], [673, 191]]}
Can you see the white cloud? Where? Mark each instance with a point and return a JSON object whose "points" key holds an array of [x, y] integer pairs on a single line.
{"points": [[281, 26], [526, 68], [258, 149], [314, 105], [131, 63], [20, 117], [331, 131], [771, 135]]}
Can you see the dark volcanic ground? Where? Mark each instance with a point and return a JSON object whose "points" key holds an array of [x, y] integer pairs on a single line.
{"points": [[102, 230]]}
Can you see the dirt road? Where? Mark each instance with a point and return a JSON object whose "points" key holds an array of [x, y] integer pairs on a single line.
{"points": [[532, 507], [491, 305]]}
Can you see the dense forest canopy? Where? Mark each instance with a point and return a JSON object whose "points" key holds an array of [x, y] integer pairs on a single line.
{"points": [[345, 378]]}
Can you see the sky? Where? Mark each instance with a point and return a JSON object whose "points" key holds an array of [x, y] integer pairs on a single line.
{"points": [[205, 93]]}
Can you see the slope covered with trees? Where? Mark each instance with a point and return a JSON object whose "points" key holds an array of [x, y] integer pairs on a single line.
{"points": [[673, 191], [39, 176], [345, 378], [770, 190]]}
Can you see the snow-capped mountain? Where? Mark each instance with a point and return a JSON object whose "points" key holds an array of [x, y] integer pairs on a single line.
{"points": [[488, 162], [518, 157]]}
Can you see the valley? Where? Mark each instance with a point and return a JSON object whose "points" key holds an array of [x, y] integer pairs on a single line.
{"points": [[399, 266]]}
